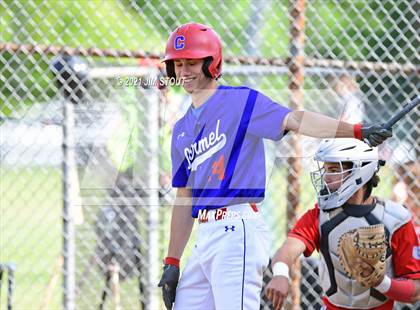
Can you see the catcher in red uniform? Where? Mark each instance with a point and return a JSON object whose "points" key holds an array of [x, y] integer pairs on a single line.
{"points": [[370, 254]]}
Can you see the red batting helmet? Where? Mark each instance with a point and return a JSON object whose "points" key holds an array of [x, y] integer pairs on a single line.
{"points": [[195, 41]]}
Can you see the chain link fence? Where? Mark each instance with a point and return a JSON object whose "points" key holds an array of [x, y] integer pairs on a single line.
{"points": [[85, 132]]}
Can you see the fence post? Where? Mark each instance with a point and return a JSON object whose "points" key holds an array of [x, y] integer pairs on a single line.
{"points": [[296, 74], [153, 196], [69, 164], [71, 81]]}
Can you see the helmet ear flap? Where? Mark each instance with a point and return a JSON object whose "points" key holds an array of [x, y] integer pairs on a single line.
{"points": [[206, 65], [170, 69]]}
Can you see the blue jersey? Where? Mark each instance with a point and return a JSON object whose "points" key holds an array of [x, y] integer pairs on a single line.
{"points": [[217, 150]]}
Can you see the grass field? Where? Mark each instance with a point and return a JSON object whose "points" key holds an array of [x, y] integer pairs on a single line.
{"points": [[30, 230], [31, 223]]}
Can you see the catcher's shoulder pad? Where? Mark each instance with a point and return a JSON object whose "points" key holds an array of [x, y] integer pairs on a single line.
{"points": [[394, 216]]}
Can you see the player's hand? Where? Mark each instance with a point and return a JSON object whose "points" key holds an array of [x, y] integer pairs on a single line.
{"points": [[277, 290], [168, 283], [364, 269], [375, 134]]}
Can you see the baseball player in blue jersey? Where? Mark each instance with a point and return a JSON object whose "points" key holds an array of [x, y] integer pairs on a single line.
{"points": [[218, 168]]}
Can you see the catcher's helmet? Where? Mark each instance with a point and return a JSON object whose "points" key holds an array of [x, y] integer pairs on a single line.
{"points": [[195, 41], [365, 163]]}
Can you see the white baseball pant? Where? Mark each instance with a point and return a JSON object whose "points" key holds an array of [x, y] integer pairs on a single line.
{"points": [[225, 269]]}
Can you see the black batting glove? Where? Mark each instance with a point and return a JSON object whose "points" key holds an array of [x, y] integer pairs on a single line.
{"points": [[375, 134], [168, 283]]}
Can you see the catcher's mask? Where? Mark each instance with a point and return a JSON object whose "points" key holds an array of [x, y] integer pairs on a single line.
{"points": [[364, 163]]}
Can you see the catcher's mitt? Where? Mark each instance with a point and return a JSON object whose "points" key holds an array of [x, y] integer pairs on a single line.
{"points": [[368, 243]]}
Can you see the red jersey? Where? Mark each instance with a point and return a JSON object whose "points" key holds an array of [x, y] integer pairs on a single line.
{"points": [[405, 249]]}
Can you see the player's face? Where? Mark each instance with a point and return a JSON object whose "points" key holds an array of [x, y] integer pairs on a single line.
{"points": [[191, 74], [334, 174]]}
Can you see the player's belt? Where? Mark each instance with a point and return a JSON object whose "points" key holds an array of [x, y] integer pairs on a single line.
{"points": [[240, 211]]}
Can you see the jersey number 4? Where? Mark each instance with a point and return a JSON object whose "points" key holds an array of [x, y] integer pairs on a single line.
{"points": [[218, 167]]}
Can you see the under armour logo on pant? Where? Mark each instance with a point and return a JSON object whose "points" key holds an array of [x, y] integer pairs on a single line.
{"points": [[232, 228]]}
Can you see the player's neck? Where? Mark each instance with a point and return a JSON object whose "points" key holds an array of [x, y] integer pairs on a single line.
{"points": [[357, 198], [199, 96]]}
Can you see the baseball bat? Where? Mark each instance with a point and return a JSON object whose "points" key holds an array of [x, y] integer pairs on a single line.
{"points": [[11, 270], [52, 283], [105, 291], [115, 284], [400, 114], [1, 280]]}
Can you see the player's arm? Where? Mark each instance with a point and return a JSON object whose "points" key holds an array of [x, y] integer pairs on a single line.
{"points": [[181, 226], [400, 289], [181, 223], [416, 296], [289, 252], [320, 126], [303, 238], [405, 286], [282, 262]]}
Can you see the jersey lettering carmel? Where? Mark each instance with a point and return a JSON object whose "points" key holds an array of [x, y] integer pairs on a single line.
{"points": [[218, 151]]}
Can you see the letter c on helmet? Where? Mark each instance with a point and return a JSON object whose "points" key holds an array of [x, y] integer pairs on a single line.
{"points": [[179, 42]]}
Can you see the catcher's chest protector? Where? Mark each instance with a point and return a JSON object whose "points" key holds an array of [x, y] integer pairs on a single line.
{"points": [[340, 289]]}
